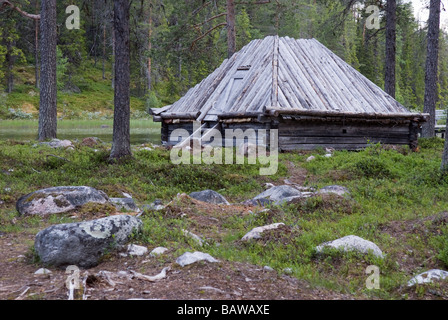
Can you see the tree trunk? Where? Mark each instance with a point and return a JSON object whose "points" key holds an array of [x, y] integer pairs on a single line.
{"points": [[36, 48], [9, 57], [231, 31], [391, 27], [121, 145], [431, 68], [48, 88], [149, 70], [104, 51]]}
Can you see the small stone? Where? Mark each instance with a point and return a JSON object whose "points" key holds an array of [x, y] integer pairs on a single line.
{"points": [[158, 251], [256, 232], [126, 195], [268, 268], [311, 158], [287, 270], [209, 196], [278, 194], [42, 271], [193, 236], [189, 258], [135, 250]]}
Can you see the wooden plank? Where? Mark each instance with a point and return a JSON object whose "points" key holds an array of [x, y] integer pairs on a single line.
{"points": [[274, 93], [356, 101], [297, 73], [323, 87], [276, 112], [256, 81]]}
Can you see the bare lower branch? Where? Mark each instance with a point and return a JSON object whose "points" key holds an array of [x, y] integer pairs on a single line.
{"points": [[206, 33], [206, 4], [210, 19], [6, 3]]}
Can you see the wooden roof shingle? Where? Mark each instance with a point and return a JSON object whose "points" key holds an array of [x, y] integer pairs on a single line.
{"points": [[284, 75]]}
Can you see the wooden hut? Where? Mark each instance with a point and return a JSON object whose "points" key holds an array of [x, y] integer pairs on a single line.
{"points": [[299, 87]]}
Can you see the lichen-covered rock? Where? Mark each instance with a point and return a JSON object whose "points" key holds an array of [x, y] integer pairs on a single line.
{"points": [[158, 251], [58, 200], [428, 277], [209, 196], [126, 204], [56, 143], [279, 194], [352, 243], [83, 243]]}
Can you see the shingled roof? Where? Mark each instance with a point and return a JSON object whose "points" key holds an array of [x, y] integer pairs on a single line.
{"points": [[281, 75]]}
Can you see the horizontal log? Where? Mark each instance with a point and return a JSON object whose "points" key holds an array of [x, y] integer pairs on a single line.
{"points": [[336, 146], [183, 115], [239, 115], [346, 140], [419, 117]]}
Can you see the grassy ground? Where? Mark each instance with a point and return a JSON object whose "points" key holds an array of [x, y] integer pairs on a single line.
{"points": [[397, 198]]}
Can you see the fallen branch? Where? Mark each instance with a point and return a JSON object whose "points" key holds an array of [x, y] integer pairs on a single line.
{"points": [[160, 276], [20, 297]]}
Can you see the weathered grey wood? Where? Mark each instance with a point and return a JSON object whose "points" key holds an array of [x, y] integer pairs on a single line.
{"points": [[326, 90], [277, 112], [157, 111], [344, 86], [274, 93], [183, 115]]}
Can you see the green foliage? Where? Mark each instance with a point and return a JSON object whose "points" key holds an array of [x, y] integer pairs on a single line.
{"points": [[61, 68], [388, 187]]}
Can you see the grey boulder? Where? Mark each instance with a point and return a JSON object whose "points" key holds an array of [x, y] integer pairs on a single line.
{"points": [[84, 243], [58, 200], [209, 196], [56, 143], [428, 277], [352, 243], [278, 195]]}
